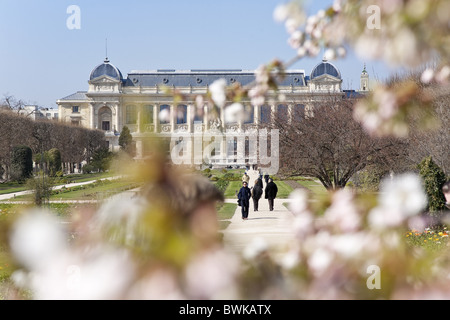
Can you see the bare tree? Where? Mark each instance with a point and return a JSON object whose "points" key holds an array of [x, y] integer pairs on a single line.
{"points": [[435, 142], [328, 144], [9, 102]]}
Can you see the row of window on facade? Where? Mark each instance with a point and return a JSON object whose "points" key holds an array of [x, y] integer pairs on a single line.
{"points": [[147, 116]]}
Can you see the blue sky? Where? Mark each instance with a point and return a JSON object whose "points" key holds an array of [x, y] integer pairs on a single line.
{"points": [[41, 60]]}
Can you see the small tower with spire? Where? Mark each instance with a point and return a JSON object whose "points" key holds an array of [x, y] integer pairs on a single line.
{"points": [[364, 80]]}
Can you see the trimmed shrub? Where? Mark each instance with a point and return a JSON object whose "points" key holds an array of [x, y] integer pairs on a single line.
{"points": [[433, 178], [21, 163], [54, 162]]}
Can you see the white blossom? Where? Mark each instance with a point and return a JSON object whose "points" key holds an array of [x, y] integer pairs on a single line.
{"points": [[37, 238], [100, 272], [342, 214], [400, 198], [404, 193], [164, 115], [257, 246], [218, 93], [212, 275], [234, 112], [427, 76], [298, 201], [159, 285]]}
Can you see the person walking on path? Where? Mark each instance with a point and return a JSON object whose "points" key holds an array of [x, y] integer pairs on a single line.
{"points": [[266, 178], [257, 192], [244, 196], [245, 178], [271, 192]]}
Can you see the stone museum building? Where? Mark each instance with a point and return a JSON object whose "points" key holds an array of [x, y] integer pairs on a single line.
{"points": [[113, 101]]}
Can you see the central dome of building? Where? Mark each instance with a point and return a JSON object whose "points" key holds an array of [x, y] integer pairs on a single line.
{"points": [[325, 67], [106, 69]]}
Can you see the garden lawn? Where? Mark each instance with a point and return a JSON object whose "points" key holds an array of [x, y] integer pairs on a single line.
{"points": [[5, 266], [284, 190], [312, 185], [98, 192], [225, 212], [233, 186], [86, 176], [11, 187]]}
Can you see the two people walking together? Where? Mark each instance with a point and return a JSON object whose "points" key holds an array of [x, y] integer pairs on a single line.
{"points": [[255, 193]]}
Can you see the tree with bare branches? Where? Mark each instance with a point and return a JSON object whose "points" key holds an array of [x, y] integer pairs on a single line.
{"points": [[328, 144]]}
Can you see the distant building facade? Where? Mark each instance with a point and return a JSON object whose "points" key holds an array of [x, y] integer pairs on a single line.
{"points": [[137, 101], [34, 112]]}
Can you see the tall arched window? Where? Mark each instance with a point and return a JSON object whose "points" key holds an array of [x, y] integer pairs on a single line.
{"points": [[265, 114], [131, 116], [147, 114], [104, 118], [164, 114], [181, 114], [249, 114], [282, 113], [298, 113], [198, 113]]}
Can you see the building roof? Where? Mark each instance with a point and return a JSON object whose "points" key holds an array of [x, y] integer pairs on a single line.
{"points": [[325, 67], [106, 69], [353, 94], [202, 77], [79, 95]]}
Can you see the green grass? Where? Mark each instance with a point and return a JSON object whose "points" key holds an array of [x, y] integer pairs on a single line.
{"points": [[312, 185], [95, 191], [10, 187], [101, 190], [284, 190], [225, 212], [87, 176], [233, 186], [6, 267]]}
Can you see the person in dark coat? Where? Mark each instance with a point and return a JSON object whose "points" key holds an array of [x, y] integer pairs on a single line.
{"points": [[257, 192], [244, 196], [271, 193], [266, 178]]}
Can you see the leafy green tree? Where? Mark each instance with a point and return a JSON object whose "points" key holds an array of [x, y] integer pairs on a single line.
{"points": [[434, 178], [126, 141], [21, 163], [101, 159], [54, 162], [42, 186]]}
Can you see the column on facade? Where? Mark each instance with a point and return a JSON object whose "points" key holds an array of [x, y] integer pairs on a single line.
{"points": [[309, 110], [223, 149], [290, 112], [172, 118], [241, 119], [138, 118], [190, 117], [240, 152], [117, 118], [92, 112], [222, 118], [256, 116], [205, 117], [273, 112], [155, 118]]}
